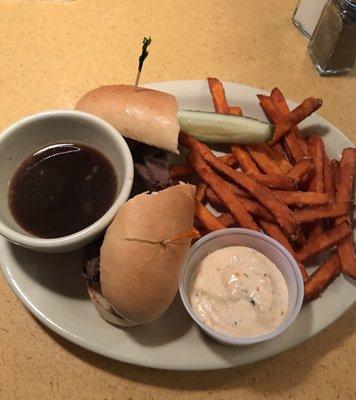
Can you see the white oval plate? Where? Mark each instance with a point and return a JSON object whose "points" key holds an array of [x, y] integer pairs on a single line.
{"points": [[52, 288]]}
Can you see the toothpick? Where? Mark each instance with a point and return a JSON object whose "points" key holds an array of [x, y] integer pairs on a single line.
{"points": [[145, 43]]}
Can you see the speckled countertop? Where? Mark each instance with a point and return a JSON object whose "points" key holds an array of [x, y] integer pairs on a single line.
{"points": [[53, 51]]}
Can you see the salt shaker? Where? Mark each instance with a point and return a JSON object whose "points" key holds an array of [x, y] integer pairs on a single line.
{"points": [[332, 47]]}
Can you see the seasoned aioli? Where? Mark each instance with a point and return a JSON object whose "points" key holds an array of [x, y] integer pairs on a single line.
{"points": [[238, 291]]}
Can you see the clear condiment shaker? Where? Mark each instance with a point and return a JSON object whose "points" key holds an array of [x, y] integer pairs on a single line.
{"points": [[307, 14], [333, 45]]}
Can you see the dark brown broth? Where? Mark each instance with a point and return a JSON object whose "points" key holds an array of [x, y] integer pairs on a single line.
{"points": [[62, 189]]}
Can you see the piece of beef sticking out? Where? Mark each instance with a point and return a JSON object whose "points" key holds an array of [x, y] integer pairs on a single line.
{"points": [[151, 167], [91, 272], [91, 260]]}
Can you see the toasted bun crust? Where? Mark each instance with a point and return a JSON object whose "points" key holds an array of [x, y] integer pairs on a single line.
{"points": [[138, 273], [146, 115]]}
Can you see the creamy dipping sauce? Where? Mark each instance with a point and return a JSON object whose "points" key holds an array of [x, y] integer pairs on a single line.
{"points": [[238, 291]]}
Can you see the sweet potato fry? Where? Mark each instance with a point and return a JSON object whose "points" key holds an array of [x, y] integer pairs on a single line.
{"points": [[322, 277], [206, 218], [294, 146], [263, 195], [301, 199], [257, 209], [200, 192], [301, 140], [191, 234], [226, 219], [269, 108], [302, 269], [279, 149], [261, 158], [222, 190], [345, 176], [180, 171], [284, 182], [289, 154], [280, 101], [329, 184], [184, 170], [324, 241], [251, 206], [213, 198], [301, 238], [316, 151], [293, 141], [238, 192], [334, 166], [244, 160], [317, 213], [228, 159], [301, 170], [279, 159], [218, 94], [315, 230], [273, 230], [235, 110], [346, 253], [284, 124], [316, 178]]}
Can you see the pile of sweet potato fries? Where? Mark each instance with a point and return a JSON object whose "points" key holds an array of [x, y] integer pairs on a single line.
{"points": [[287, 188]]}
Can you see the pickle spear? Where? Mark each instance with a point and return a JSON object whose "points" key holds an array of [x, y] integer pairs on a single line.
{"points": [[210, 127]]}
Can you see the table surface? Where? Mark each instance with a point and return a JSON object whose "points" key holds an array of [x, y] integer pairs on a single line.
{"points": [[51, 52]]}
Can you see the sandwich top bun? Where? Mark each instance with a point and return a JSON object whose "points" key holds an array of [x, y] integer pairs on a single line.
{"points": [[139, 265], [146, 115]]}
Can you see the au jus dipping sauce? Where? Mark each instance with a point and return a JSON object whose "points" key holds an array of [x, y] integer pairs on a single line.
{"points": [[239, 292], [62, 189]]}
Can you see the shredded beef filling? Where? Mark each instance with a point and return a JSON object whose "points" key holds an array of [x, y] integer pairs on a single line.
{"points": [[151, 167]]}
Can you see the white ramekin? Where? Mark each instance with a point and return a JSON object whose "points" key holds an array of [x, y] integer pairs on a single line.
{"points": [[267, 246], [30, 134]]}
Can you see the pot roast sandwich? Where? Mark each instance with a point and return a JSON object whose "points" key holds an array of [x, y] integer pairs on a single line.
{"points": [[147, 120], [135, 278]]}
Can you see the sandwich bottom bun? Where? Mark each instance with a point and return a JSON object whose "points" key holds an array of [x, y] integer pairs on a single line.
{"points": [[91, 272], [139, 263], [104, 308]]}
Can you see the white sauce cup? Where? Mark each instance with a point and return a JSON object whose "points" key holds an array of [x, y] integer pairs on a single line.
{"points": [[262, 243], [33, 133]]}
